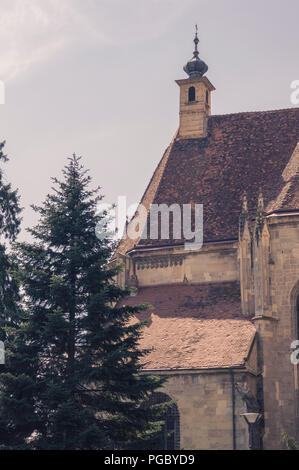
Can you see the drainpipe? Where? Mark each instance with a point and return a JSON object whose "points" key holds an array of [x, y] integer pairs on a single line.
{"points": [[233, 408]]}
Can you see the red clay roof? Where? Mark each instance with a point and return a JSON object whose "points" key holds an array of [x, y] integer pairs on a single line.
{"points": [[194, 326], [242, 152]]}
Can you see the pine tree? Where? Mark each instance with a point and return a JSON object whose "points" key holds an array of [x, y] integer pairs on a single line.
{"points": [[81, 387], [9, 292], [9, 228]]}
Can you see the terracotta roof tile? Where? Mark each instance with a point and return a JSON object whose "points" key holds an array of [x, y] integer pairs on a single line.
{"points": [[194, 326], [242, 152]]}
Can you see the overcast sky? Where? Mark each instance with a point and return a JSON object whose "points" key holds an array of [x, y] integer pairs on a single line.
{"points": [[96, 77]]}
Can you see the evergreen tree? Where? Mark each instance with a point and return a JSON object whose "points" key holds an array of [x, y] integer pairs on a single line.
{"points": [[81, 386], [9, 292], [9, 228]]}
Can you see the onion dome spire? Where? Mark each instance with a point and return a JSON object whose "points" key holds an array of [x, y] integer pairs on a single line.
{"points": [[196, 67]]}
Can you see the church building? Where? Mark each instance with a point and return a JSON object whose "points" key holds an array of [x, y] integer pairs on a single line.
{"points": [[222, 318]]}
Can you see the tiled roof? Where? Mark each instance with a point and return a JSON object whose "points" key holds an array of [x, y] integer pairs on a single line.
{"points": [[288, 198], [242, 152], [194, 326]]}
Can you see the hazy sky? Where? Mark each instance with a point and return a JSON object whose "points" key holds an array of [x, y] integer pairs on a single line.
{"points": [[96, 77]]}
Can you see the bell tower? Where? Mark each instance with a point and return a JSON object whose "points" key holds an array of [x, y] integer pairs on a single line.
{"points": [[195, 97]]}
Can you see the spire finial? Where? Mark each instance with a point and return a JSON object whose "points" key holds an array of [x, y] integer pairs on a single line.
{"points": [[195, 67], [196, 41]]}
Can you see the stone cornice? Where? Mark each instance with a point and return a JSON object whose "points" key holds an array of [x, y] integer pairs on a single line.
{"points": [[159, 261], [191, 81]]}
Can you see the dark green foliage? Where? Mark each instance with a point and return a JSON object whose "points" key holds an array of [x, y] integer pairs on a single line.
{"points": [[73, 378], [9, 228], [9, 295], [9, 205], [289, 442]]}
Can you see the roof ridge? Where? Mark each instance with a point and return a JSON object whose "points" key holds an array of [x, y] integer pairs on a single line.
{"points": [[270, 111], [192, 284]]}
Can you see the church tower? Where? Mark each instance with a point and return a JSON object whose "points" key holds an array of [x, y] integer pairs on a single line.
{"points": [[195, 97]]}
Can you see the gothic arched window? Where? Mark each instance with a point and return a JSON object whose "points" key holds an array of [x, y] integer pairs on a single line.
{"points": [[169, 436], [191, 94]]}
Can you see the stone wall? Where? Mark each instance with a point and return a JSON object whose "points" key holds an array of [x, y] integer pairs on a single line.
{"points": [[206, 416], [170, 266], [277, 331], [206, 400]]}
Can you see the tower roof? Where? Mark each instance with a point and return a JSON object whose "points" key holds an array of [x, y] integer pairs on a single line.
{"points": [[196, 67]]}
